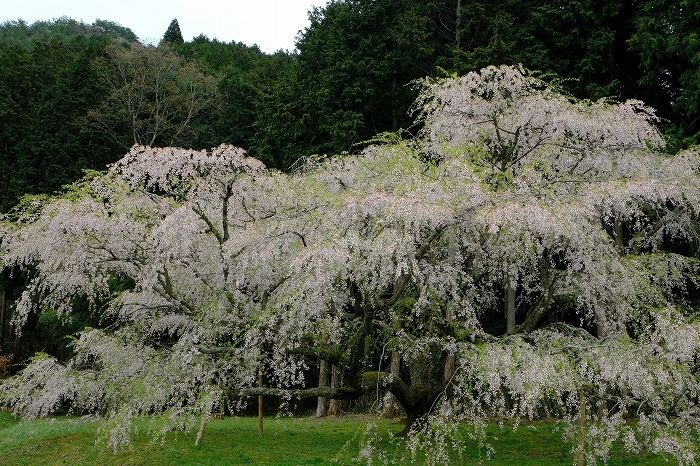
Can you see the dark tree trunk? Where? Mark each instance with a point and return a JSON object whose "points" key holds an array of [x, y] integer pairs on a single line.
{"points": [[391, 404], [458, 25], [509, 307], [619, 236]]}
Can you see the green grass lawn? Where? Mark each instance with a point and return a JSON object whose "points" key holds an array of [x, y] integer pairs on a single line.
{"points": [[299, 441]]}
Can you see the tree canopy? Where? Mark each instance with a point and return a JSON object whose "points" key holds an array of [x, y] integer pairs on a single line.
{"points": [[207, 268], [20, 33]]}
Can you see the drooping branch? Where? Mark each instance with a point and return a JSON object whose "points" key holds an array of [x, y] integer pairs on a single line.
{"points": [[198, 210], [402, 281], [253, 218], [167, 291], [270, 290], [301, 237], [423, 250]]}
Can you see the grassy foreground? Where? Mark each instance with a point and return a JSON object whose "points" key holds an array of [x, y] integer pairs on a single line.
{"points": [[301, 441]]}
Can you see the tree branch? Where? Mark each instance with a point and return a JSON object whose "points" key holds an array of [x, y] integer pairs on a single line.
{"points": [[402, 281], [198, 210], [341, 393], [537, 313]]}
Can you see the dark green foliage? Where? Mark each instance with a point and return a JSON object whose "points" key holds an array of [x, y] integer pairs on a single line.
{"points": [[283, 132], [47, 90], [489, 32], [646, 50], [173, 35], [642, 50], [667, 38], [582, 40], [243, 72], [351, 79]]}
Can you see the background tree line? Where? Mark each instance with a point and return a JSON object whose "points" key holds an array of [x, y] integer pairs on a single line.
{"points": [[349, 80]]}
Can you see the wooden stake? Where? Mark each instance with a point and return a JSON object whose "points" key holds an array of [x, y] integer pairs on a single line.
{"points": [[582, 430], [260, 405]]}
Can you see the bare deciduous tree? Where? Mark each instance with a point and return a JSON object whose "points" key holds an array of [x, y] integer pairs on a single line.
{"points": [[154, 95]]}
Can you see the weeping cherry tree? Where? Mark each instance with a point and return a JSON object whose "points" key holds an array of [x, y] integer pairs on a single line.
{"points": [[526, 255]]}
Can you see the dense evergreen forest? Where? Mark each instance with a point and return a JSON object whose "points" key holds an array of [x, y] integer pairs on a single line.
{"points": [[76, 97], [349, 80]]}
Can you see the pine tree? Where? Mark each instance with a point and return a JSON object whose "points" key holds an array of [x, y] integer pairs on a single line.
{"points": [[173, 35]]}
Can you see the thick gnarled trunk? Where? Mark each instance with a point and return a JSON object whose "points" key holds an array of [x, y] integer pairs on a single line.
{"points": [[390, 409]]}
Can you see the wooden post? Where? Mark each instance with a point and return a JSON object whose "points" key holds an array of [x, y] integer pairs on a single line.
{"points": [[202, 426], [260, 405], [582, 430]]}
